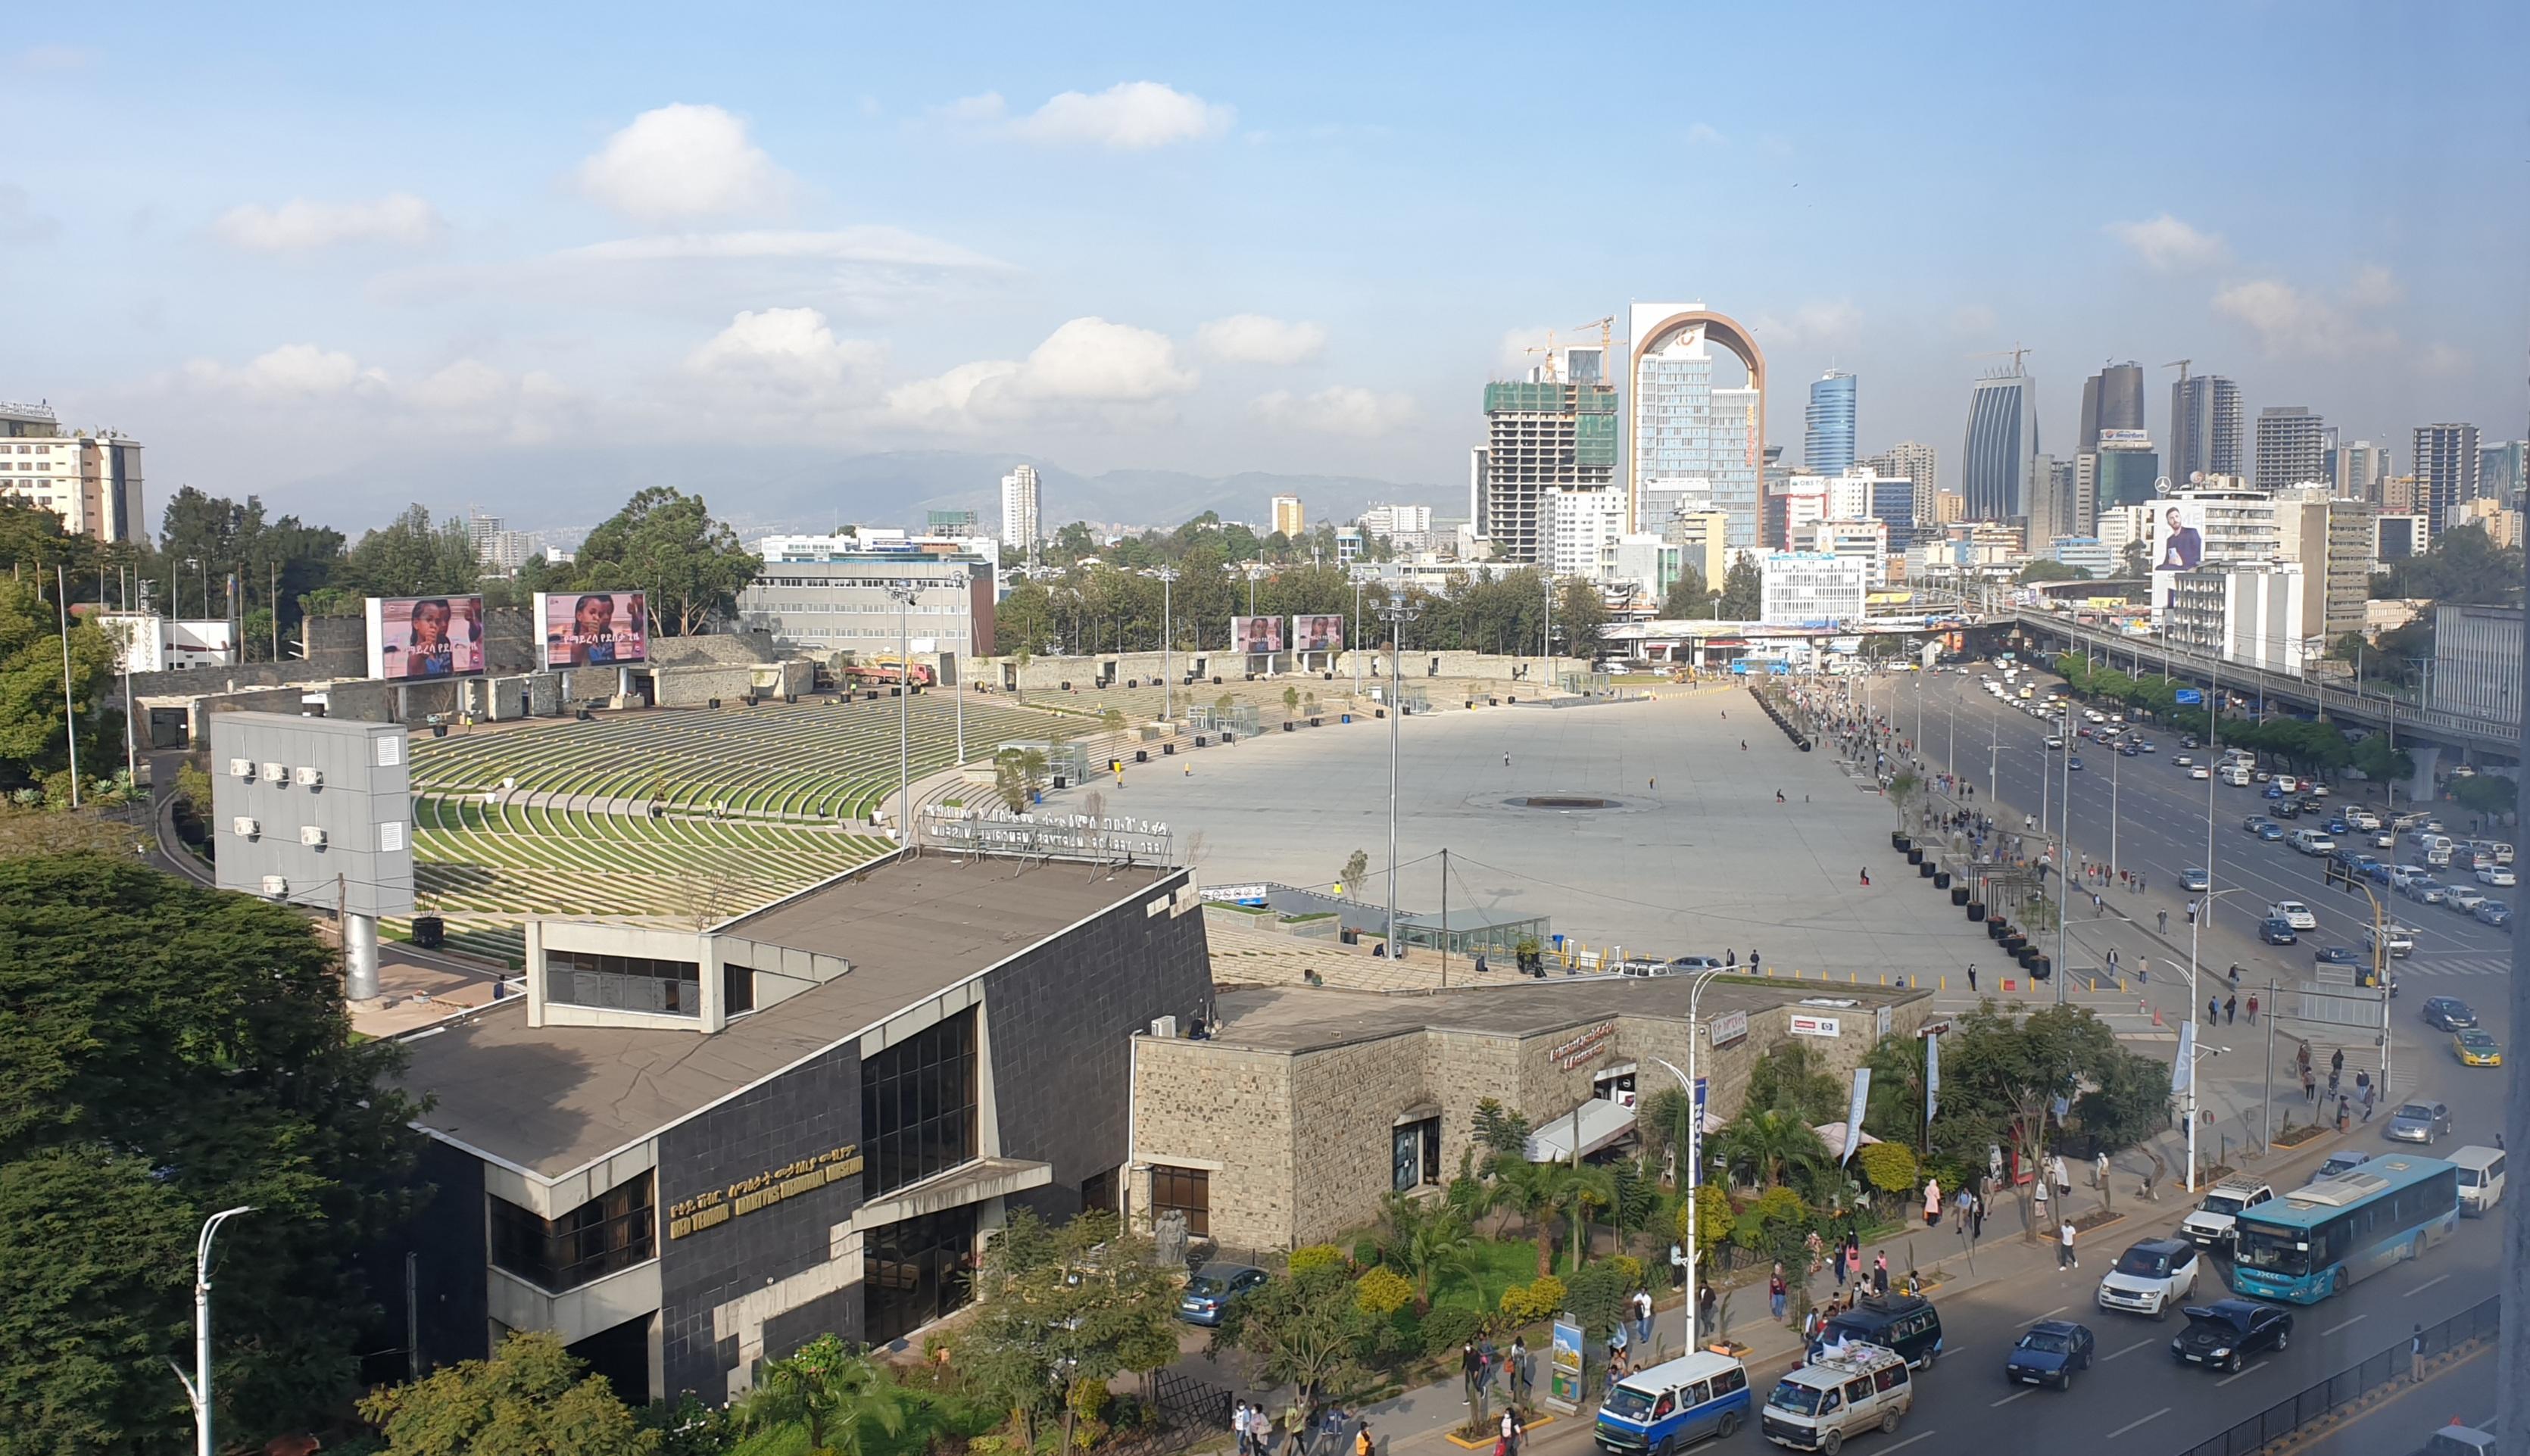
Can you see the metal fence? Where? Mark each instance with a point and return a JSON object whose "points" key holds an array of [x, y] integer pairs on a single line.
{"points": [[2388, 1367], [1189, 1402]]}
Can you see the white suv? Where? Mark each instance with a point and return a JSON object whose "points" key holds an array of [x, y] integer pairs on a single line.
{"points": [[2210, 1226], [2294, 913], [2151, 1278]]}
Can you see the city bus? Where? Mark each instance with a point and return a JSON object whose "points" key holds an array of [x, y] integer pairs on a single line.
{"points": [[2316, 1240]]}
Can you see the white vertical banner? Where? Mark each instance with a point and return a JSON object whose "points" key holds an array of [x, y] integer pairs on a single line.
{"points": [[1932, 1077], [2183, 1070], [1853, 1113]]}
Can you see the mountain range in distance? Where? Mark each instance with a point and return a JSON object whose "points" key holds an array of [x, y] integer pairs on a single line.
{"points": [[763, 489]]}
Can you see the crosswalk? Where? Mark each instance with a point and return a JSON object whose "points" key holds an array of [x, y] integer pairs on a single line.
{"points": [[2429, 963]]}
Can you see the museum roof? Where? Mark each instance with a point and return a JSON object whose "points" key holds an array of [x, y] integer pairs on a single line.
{"points": [[552, 1100], [1308, 1018]]}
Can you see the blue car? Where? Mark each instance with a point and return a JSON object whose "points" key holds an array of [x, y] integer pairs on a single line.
{"points": [[2049, 1353], [2072, 764], [1214, 1287], [2274, 792], [2277, 931], [1675, 1404], [2494, 913], [2270, 831]]}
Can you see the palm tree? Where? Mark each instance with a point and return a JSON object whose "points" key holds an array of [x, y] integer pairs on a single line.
{"points": [[1438, 1241], [1537, 1190], [1584, 1188], [834, 1389], [1764, 1148]]}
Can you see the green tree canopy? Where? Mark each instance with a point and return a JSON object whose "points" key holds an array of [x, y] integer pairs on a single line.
{"points": [[2043, 569], [411, 557], [665, 541], [166, 1052], [1743, 592], [531, 1398], [35, 737], [1688, 595]]}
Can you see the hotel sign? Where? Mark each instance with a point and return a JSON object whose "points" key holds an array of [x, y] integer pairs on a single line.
{"points": [[1584, 1046], [763, 1190], [1728, 1028]]}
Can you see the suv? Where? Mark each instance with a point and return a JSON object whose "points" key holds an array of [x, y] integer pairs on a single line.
{"points": [[1858, 1389], [2294, 912], [2402, 941], [2151, 1278], [2465, 898], [1905, 1322], [2210, 1225]]}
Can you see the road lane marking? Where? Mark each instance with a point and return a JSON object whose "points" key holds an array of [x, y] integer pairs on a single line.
{"points": [[2051, 1313], [2131, 1424], [2130, 1349], [2244, 1375], [1910, 1440], [2340, 1324], [2428, 1284], [2015, 1395]]}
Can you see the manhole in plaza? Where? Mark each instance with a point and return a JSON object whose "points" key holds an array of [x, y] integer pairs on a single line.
{"points": [[1562, 801]]}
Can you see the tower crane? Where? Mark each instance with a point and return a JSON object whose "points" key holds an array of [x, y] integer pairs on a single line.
{"points": [[2182, 367], [2016, 351], [1547, 348]]}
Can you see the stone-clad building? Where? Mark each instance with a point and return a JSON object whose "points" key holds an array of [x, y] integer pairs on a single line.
{"points": [[689, 1150], [1305, 1105]]}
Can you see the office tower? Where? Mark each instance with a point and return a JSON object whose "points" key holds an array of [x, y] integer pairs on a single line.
{"points": [[2292, 447], [2051, 511], [2347, 573], [2357, 470], [1289, 519], [2126, 471], [2445, 462], [91, 480], [2204, 428], [1949, 507], [1916, 465], [2111, 399], [1578, 524], [1540, 436], [1828, 446], [1703, 539], [1697, 444], [2503, 469], [2001, 436], [1019, 503], [1406, 527]]}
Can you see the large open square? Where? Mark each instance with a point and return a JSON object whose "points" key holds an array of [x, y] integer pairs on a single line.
{"points": [[1693, 855]]}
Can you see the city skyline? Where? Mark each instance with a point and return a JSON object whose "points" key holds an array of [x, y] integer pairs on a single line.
{"points": [[753, 242]]}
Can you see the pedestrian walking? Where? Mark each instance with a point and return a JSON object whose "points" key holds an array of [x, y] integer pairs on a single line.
{"points": [[1839, 1261], [1471, 1370], [2063, 1181], [1866, 879], [2143, 970], [1729, 957], [2236, 975], [1880, 1273], [1976, 1228], [2230, 1009], [2253, 1008], [1932, 1202], [2343, 1111], [2065, 1258], [1971, 978], [1676, 1265], [1506, 760], [2210, 1007], [1775, 1291], [1753, 958], [2100, 1172], [1643, 1317], [2416, 1356], [2164, 922], [2309, 1085], [2336, 1064], [2332, 1082], [1707, 1303], [2039, 1191], [2367, 1103], [1238, 1426], [1362, 1445]]}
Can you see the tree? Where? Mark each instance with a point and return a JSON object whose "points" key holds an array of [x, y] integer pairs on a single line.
{"points": [[1056, 1307], [1356, 870], [2484, 793], [1423, 1240], [1743, 592], [1902, 792], [1767, 1147], [34, 741], [531, 1398], [1498, 1129], [2136, 559], [410, 557], [1305, 1328], [1666, 1121], [1017, 775], [1583, 615], [2463, 565], [183, 1051], [1688, 595], [666, 542], [2042, 569], [1793, 1079], [1888, 1166], [1537, 1190], [836, 1392]]}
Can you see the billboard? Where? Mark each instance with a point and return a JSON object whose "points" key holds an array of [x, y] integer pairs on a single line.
{"points": [[1322, 632], [1254, 634], [2175, 541], [420, 638], [594, 628]]}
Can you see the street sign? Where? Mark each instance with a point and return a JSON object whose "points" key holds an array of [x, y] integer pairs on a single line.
{"points": [[2189, 697]]}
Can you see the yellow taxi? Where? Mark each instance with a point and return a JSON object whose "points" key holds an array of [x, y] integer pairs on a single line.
{"points": [[2477, 1050]]}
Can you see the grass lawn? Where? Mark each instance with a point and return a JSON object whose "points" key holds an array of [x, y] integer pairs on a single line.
{"points": [[1497, 1267]]}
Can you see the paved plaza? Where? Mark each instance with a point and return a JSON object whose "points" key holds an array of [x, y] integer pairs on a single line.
{"points": [[1694, 856]]}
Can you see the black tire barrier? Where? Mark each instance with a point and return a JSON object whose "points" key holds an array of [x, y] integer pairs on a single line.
{"points": [[1317, 723], [1216, 681], [429, 931], [1976, 907], [1958, 894], [711, 702], [1897, 840], [1167, 749], [1290, 727], [1200, 742], [1924, 869], [1942, 881], [1914, 856], [1141, 755]]}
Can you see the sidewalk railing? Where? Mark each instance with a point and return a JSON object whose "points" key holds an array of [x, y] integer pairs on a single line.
{"points": [[2388, 1367]]}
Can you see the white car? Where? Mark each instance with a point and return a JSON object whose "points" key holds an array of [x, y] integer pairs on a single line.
{"points": [[2200, 772], [2402, 876], [2294, 913], [2210, 1226], [2499, 876], [2151, 1278], [2363, 819], [2465, 898]]}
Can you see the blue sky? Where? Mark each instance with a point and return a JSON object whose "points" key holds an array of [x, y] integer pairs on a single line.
{"points": [[278, 242]]}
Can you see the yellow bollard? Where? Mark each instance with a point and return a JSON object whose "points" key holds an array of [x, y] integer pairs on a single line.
{"points": [[1854, 977], [1884, 978], [1942, 983]]}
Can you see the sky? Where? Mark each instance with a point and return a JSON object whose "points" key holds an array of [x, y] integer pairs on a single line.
{"points": [[282, 243]]}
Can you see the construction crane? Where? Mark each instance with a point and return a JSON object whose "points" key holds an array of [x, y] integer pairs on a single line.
{"points": [[2182, 367], [1547, 348], [2016, 351], [1607, 327]]}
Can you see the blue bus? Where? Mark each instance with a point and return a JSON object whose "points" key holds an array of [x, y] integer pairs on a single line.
{"points": [[2316, 1240], [1671, 1405]]}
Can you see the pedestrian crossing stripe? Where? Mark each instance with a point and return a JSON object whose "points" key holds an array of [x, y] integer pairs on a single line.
{"points": [[2457, 966]]}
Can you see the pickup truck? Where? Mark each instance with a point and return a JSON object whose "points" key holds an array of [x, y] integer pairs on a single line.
{"points": [[2210, 1225]]}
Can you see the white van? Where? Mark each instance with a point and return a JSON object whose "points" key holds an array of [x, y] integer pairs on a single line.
{"points": [[2234, 773], [2436, 849], [2481, 1178], [2311, 841], [1839, 1395]]}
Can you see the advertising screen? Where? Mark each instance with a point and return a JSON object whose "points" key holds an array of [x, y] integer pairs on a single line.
{"points": [[1255, 635], [1321, 632], [594, 628], [419, 638], [2174, 535]]}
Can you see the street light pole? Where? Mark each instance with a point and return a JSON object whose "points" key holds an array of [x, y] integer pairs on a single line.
{"points": [[1168, 681], [1694, 1172], [1397, 615], [2205, 906], [904, 593], [199, 1389]]}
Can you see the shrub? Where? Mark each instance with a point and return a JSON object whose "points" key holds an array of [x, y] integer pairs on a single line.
{"points": [[1628, 1266], [1774, 1209], [1448, 1327], [1527, 1304], [1713, 1217], [1315, 1257], [1382, 1292], [1596, 1294], [1889, 1167]]}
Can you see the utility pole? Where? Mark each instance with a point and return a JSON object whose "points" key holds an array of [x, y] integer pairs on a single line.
{"points": [[904, 593], [1168, 681], [1396, 616], [70, 707], [197, 1389]]}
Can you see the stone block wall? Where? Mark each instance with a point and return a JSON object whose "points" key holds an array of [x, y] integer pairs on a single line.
{"points": [[1228, 1111], [1345, 1105]]}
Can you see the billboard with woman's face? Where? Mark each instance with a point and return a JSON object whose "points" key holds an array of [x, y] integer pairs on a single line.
{"points": [[1256, 634], [419, 638], [1318, 633], [594, 628]]}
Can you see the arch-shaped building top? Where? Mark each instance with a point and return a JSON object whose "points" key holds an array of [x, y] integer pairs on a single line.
{"points": [[1693, 446]]}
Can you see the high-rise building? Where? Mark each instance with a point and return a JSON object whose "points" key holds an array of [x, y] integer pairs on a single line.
{"points": [[1916, 465], [1699, 445], [1578, 524], [1021, 526], [2292, 447], [2502, 470], [2445, 462], [2126, 471], [2246, 612], [2063, 500], [1826, 447], [2351, 540], [91, 481], [2001, 437], [1406, 527], [2204, 428], [2357, 470], [1948, 508], [1703, 540], [2111, 399], [2477, 660], [1541, 436], [1289, 519]]}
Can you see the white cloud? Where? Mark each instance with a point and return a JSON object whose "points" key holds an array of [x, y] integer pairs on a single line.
{"points": [[859, 244], [1087, 363], [683, 161], [1130, 116], [19, 222], [1705, 134], [330, 393], [291, 372], [791, 350], [2168, 245], [2308, 324], [1338, 410], [2444, 360], [1825, 323], [54, 58], [1254, 339], [300, 226], [2375, 287]]}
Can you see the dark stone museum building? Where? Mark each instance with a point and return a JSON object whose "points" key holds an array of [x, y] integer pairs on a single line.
{"points": [[689, 1150]]}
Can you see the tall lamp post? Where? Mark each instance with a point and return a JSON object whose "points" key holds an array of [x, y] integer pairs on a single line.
{"points": [[197, 1389], [904, 593], [1167, 680], [1694, 1150], [1361, 576], [1397, 615]]}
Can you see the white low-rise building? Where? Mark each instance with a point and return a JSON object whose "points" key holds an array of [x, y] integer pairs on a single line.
{"points": [[2245, 612], [1802, 587]]}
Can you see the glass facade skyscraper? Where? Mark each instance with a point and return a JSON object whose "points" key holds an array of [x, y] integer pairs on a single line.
{"points": [[1827, 446], [2204, 428], [1697, 444], [2001, 436]]}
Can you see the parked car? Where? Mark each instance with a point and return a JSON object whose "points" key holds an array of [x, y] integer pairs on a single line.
{"points": [[2049, 1352], [2448, 1014], [2499, 876], [2224, 1334], [2151, 1278], [1689, 964], [2477, 1049], [1213, 1288], [2424, 891], [2420, 1122]]}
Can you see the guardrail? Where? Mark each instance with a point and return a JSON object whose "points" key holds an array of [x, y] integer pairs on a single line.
{"points": [[2388, 1367]]}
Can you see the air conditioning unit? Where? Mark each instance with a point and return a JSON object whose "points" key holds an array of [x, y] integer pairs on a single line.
{"points": [[247, 829], [311, 837], [241, 768], [275, 886], [276, 773], [312, 778], [1164, 1027]]}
